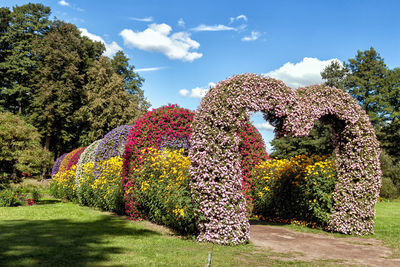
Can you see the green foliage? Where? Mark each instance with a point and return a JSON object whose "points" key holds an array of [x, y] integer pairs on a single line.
{"points": [[64, 59], [299, 188], [368, 83], [9, 198], [20, 149], [19, 31], [335, 74], [108, 103], [318, 142], [132, 80], [390, 176], [18, 196]]}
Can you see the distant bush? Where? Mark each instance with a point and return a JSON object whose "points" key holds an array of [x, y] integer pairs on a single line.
{"points": [[18, 196]]}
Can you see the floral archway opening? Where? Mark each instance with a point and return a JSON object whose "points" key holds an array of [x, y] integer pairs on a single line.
{"points": [[215, 161]]}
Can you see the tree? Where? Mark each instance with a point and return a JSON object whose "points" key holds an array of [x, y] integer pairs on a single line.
{"points": [[64, 57], [19, 31], [20, 149], [108, 103], [132, 81], [368, 83], [335, 75], [319, 142]]}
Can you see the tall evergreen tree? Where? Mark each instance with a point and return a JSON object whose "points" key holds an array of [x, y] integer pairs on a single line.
{"points": [[64, 57], [132, 80], [19, 31], [368, 83], [335, 75], [108, 103]]}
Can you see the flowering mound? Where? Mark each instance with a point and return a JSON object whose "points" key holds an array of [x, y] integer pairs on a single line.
{"points": [[112, 145], [215, 156], [151, 130], [170, 127], [75, 158], [57, 164], [65, 162], [87, 156], [357, 154]]}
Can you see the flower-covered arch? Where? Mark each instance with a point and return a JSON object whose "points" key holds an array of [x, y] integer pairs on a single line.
{"points": [[215, 158], [169, 122]]}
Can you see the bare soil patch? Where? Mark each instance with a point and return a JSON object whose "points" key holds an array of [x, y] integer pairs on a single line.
{"points": [[311, 247]]}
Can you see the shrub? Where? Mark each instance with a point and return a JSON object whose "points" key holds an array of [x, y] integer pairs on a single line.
{"points": [[163, 192], [299, 188], [388, 189], [20, 149], [17, 196], [84, 190], [9, 197], [149, 131]]}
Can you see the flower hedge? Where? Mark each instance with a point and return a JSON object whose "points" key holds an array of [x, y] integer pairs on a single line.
{"points": [[215, 158]]}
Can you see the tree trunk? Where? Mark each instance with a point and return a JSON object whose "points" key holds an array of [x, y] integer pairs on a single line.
{"points": [[47, 143]]}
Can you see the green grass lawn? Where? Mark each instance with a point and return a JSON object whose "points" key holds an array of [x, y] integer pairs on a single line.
{"points": [[65, 234]]}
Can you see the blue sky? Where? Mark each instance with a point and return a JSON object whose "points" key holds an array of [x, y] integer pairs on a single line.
{"points": [[183, 47]]}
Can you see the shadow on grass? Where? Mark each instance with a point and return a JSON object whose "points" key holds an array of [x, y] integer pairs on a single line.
{"points": [[62, 242], [47, 201]]}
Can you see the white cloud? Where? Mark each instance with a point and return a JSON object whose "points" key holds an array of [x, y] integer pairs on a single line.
{"points": [[149, 69], [63, 3], [306, 72], [181, 22], [265, 126], [243, 17], [146, 19], [198, 92], [111, 48], [157, 38], [254, 36], [184, 92], [214, 28]]}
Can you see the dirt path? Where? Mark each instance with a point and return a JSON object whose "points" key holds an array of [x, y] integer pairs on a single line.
{"points": [[308, 247]]}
